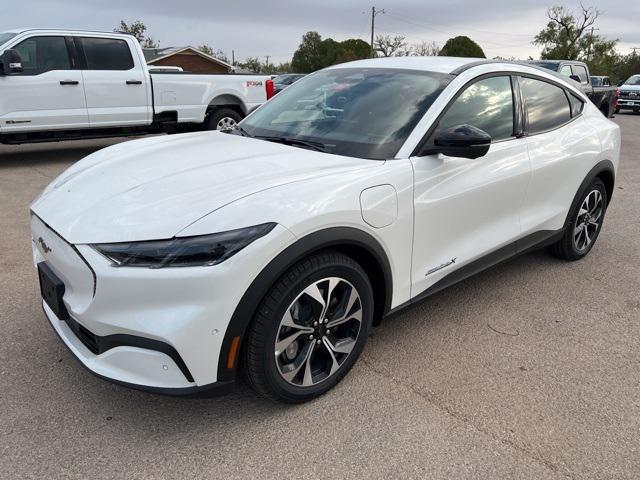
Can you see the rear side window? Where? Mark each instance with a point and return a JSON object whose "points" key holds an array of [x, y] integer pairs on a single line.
{"points": [[576, 105], [486, 104], [106, 54], [566, 70], [547, 105], [581, 72], [43, 54]]}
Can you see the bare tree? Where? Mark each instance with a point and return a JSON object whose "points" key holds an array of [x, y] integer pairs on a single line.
{"points": [[389, 46], [425, 49]]}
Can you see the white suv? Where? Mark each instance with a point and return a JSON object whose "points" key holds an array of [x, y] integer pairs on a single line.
{"points": [[170, 263]]}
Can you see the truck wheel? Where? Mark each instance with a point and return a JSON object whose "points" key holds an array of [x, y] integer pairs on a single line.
{"points": [[222, 119], [636, 110]]}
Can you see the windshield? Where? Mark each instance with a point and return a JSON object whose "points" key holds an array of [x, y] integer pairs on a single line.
{"points": [[364, 113], [6, 36], [634, 80]]}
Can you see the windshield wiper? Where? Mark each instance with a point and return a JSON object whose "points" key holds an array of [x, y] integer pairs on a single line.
{"points": [[294, 142]]}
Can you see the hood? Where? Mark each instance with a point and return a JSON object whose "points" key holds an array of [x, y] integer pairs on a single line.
{"points": [[629, 88], [153, 188]]}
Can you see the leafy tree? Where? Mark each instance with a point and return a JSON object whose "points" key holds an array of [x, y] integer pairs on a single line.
{"points": [[425, 49], [389, 46], [307, 58], [219, 54], [314, 53], [461, 46], [626, 66], [566, 35], [251, 63], [137, 28]]}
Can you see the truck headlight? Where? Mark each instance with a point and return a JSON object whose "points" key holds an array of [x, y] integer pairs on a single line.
{"points": [[201, 250]]}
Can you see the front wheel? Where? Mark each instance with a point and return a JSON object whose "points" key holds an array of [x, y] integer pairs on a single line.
{"points": [[310, 328], [585, 222]]}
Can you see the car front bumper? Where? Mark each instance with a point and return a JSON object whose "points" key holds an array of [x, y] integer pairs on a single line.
{"points": [[629, 102], [160, 330]]}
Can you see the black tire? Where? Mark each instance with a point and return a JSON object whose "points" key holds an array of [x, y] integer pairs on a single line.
{"points": [[568, 247], [218, 115], [616, 111], [636, 110], [262, 365]]}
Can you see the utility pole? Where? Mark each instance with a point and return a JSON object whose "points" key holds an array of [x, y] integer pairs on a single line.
{"points": [[233, 58], [374, 12], [591, 42], [267, 62]]}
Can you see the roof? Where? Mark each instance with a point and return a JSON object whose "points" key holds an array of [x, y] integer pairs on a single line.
{"points": [[431, 64], [152, 55]]}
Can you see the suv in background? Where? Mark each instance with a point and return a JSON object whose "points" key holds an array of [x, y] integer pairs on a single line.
{"points": [[629, 94], [604, 97]]}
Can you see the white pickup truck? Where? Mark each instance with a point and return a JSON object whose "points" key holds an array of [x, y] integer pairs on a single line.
{"points": [[65, 85]]}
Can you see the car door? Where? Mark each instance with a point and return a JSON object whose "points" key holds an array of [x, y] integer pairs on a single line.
{"points": [[466, 209], [115, 83], [561, 148], [49, 93]]}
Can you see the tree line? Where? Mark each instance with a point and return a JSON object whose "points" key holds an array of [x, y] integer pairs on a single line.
{"points": [[568, 35]]}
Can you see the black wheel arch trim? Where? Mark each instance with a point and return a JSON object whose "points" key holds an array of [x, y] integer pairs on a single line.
{"points": [[307, 245], [603, 166]]}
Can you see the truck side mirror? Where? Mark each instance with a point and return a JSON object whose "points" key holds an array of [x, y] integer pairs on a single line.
{"points": [[11, 62], [575, 78]]}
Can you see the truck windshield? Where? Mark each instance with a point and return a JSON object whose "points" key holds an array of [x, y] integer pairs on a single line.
{"points": [[6, 36], [365, 113], [634, 80]]}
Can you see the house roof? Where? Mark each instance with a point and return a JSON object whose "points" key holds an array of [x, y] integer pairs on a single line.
{"points": [[152, 55]]}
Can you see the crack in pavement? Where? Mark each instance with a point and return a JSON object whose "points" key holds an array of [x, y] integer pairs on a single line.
{"points": [[433, 400]]}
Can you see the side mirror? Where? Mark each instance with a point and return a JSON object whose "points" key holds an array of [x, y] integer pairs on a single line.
{"points": [[11, 62], [464, 141], [620, 84], [575, 78]]}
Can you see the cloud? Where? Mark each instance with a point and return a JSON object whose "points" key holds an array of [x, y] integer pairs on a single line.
{"points": [[274, 28]]}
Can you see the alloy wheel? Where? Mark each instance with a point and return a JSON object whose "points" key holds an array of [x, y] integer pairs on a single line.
{"points": [[588, 220], [318, 332], [226, 123]]}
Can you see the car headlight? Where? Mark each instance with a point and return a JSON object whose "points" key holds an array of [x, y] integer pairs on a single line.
{"points": [[201, 250]]}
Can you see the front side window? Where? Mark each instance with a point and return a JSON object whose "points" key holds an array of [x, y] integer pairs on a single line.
{"points": [[365, 113], [106, 54], [487, 104], [43, 54], [547, 105], [581, 72]]}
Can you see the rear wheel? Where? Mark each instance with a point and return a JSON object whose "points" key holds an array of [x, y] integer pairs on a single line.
{"points": [[222, 119], [585, 222], [310, 328]]}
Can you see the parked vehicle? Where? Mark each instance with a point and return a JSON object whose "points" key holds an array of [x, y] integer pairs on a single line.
{"points": [[168, 261], [283, 81], [63, 85], [600, 81], [604, 97], [629, 94]]}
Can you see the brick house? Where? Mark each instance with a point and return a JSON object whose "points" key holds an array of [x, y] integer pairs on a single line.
{"points": [[189, 58]]}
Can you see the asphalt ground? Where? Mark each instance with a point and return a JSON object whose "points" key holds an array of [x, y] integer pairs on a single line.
{"points": [[528, 370]]}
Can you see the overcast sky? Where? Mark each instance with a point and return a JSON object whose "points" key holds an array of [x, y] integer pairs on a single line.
{"points": [[262, 27]]}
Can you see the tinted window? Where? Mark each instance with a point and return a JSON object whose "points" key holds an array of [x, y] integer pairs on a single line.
{"points": [[547, 105], [576, 105], [486, 104], [358, 112], [566, 70], [43, 54], [107, 54], [581, 72], [633, 80]]}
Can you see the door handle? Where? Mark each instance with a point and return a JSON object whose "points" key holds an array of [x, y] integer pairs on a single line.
{"points": [[134, 82], [69, 82]]}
